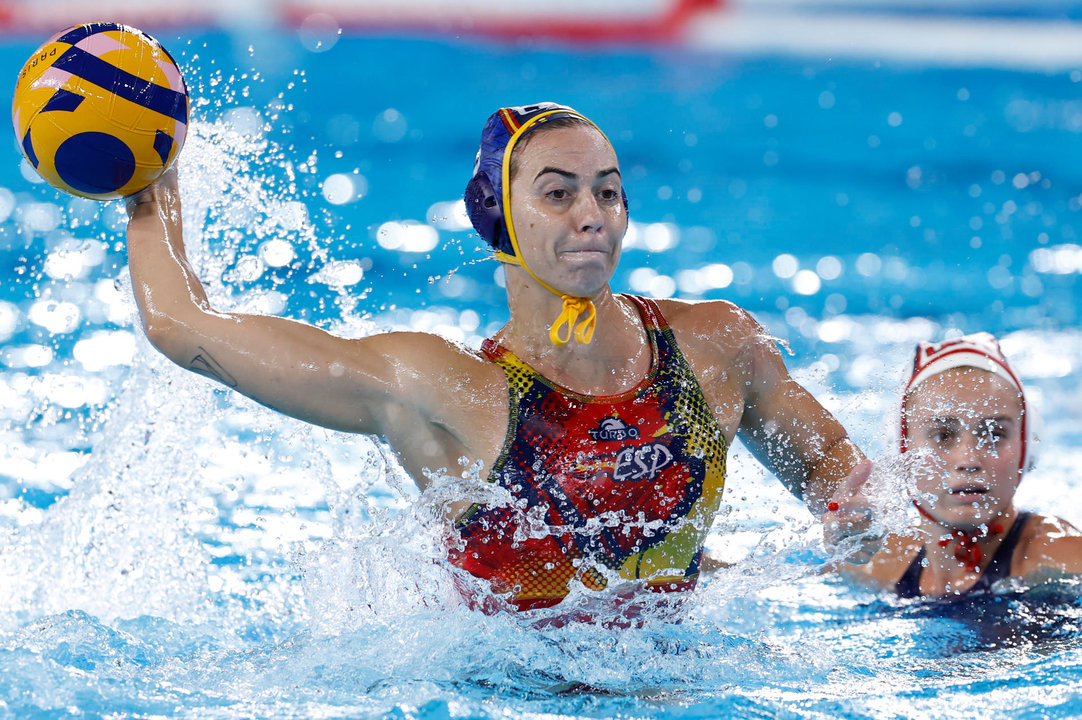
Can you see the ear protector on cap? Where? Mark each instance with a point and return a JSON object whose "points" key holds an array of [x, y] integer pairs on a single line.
{"points": [[485, 211]]}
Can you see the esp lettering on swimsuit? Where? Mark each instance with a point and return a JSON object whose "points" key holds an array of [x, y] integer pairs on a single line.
{"points": [[641, 463]]}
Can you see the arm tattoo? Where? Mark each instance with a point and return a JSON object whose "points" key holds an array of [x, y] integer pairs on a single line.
{"points": [[205, 364]]}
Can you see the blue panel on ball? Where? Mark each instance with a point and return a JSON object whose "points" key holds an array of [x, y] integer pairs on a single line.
{"points": [[63, 101], [132, 88], [28, 149], [82, 32], [94, 163], [163, 143]]}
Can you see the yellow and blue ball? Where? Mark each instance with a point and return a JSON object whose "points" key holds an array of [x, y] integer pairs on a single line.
{"points": [[100, 110]]}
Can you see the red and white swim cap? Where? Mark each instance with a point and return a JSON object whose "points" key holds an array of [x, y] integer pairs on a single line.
{"points": [[978, 350]]}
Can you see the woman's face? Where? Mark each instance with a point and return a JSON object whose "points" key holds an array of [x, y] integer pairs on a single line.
{"points": [[567, 208], [969, 422]]}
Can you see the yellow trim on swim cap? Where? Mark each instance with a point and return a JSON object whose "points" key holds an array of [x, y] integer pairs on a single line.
{"points": [[573, 306]]}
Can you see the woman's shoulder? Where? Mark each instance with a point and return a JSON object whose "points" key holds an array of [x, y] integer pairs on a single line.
{"points": [[705, 313], [716, 326], [1048, 542]]}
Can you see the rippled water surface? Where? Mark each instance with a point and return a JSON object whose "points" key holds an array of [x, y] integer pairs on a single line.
{"points": [[167, 549]]}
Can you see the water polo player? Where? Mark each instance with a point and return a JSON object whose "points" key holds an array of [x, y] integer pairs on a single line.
{"points": [[606, 416], [966, 409]]}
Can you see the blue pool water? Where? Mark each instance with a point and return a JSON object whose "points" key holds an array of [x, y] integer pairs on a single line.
{"points": [[167, 549]]}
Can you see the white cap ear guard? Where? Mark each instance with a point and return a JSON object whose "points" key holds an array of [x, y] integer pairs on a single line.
{"points": [[1034, 431]]}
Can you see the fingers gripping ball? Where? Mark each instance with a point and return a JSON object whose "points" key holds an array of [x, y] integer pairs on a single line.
{"points": [[100, 110]]}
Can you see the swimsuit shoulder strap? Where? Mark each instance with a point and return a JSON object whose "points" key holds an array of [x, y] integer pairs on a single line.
{"points": [[661, 335], [908, 586], [1000, 567], [493, 351], [520, 376], [651, 313]]}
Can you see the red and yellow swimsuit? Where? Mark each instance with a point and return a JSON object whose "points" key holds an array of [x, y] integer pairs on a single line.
{"points": [[613, 488]]}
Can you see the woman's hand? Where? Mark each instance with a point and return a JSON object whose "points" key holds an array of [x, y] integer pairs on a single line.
{"points": [[166, 184], [849, 519]]}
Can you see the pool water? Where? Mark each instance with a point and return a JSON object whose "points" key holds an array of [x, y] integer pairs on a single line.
{"points": [[168, 549]]}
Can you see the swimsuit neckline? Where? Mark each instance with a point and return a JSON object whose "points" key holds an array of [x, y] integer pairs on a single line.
{"points": [[498, 349]]}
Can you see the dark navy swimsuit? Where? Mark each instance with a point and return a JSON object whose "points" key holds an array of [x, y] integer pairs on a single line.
{"points": [[1000, 567]]}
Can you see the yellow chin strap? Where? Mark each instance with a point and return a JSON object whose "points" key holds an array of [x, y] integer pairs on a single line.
{"points": [[579, 314], [583, 331]]}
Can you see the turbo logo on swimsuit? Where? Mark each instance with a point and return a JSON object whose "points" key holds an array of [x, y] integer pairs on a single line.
{"points": [[613, 429]]}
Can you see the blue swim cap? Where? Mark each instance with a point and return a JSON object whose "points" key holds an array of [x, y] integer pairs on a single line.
{"points": [[484, 193]]}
